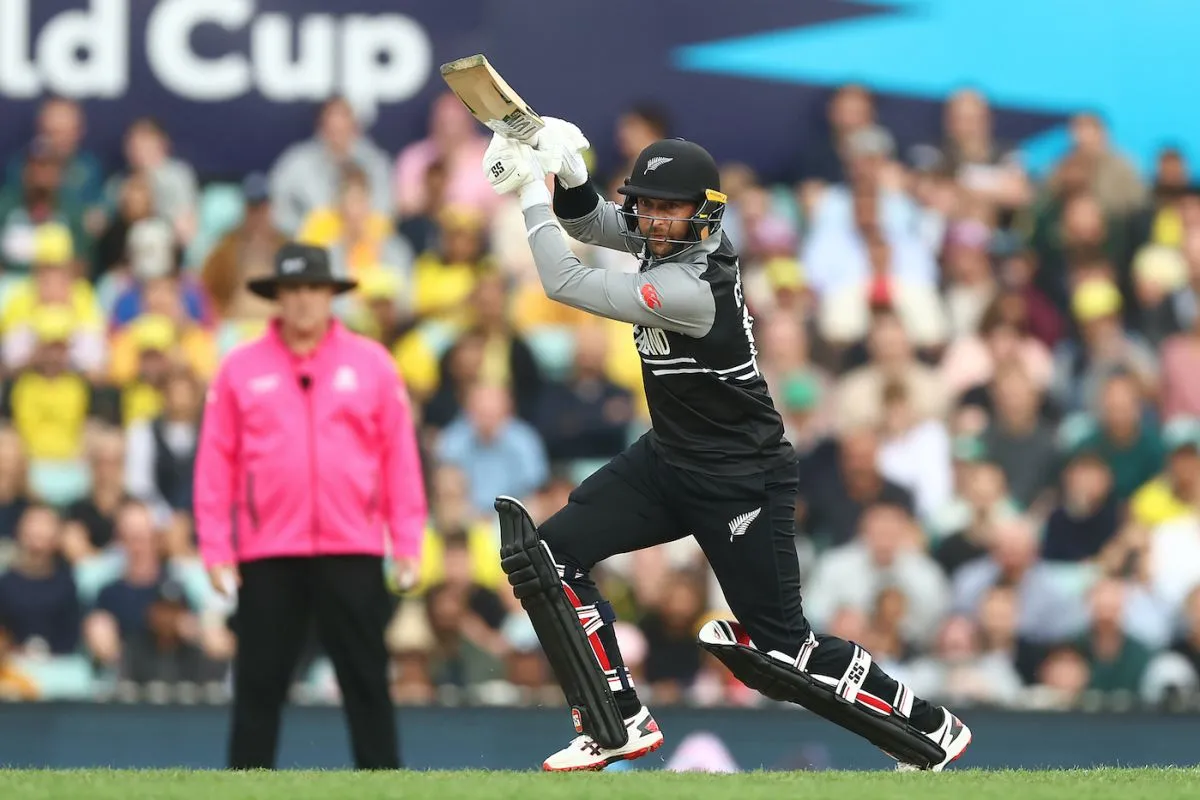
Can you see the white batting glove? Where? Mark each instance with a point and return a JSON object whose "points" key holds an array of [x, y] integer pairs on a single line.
{"points": [[560, 144], [512, 166]]}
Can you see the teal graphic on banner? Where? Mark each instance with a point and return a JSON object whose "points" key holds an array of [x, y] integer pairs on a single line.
{"points": [[1123, 58]]}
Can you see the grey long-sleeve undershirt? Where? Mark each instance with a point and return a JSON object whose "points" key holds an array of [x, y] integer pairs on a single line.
{"points": [[671, 296]]}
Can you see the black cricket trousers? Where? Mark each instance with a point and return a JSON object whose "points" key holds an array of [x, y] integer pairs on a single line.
{"points": [[746, 527], [278, 601]]}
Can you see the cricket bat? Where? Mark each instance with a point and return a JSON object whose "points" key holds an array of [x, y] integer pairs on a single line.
{"points": [[490, 99]]}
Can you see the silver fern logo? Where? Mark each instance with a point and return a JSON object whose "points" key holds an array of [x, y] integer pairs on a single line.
{"points": [[741, 523], [657, 162]]}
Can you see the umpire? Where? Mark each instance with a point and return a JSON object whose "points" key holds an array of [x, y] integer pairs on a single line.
{"points": [[307, 465]]}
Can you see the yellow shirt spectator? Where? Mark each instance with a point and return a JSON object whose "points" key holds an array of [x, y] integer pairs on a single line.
{"points": [[484, 552], [325, 228], [52, 283], [1156, 503], [49, 411], [194, 347]]}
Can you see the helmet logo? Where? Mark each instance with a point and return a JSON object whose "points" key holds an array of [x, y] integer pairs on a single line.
{"points": [[657, 162]]}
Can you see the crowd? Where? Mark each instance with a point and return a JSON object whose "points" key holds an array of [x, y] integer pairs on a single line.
{"points": [[993, 379]]}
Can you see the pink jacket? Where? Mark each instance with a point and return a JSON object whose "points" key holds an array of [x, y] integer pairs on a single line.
{"points": [[307, 456]]}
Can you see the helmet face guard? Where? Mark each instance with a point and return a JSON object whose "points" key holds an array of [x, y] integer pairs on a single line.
{"points": [[704, 222]]}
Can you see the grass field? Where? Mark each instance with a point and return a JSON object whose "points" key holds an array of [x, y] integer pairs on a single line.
{"points": [[965, 784]]}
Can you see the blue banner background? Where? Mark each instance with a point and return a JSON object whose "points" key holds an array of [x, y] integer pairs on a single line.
{"points": [[748, 78]]}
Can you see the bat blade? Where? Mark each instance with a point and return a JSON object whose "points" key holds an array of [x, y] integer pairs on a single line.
{"points": [[490, 99]]}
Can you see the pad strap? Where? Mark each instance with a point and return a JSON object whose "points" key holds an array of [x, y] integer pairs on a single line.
{"points": [[854, 676]]}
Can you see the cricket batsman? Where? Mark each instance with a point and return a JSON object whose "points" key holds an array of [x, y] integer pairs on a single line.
{"points": [[715, 465]]}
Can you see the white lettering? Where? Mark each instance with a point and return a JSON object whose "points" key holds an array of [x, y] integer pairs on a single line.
{"points": [[18, 76], [651, 341], [168, 48], [86, 53], [310, 75], [386, 58], [371, 60]]}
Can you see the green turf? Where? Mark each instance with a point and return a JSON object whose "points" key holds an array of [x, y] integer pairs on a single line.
{"points": [[964, 784]]}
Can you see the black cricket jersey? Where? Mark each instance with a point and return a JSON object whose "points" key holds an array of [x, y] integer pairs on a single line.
{"points": [[709, 404]]}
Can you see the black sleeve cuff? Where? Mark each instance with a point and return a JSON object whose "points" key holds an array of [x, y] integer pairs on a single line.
{"points": [[574, 203]]}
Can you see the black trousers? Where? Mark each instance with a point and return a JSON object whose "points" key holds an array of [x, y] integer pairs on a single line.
{"points": [[278, 601], [745, 526]]}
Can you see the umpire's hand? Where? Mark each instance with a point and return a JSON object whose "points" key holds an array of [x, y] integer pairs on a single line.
{"points": [[225, 579]]}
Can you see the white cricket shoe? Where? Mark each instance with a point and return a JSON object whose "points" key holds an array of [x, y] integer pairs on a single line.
{"points": [[584, 753], [952, 736]]}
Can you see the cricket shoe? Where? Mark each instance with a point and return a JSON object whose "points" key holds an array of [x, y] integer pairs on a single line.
{"points": [[585, 753], [952, 736]]}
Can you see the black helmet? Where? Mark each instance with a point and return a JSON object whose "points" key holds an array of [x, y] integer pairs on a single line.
{"points": [[675, 169]]}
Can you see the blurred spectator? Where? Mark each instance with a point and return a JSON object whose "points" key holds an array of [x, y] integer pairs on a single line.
{"points": [[972, 360], [971, 284], [38, 200], [637, 127], [860, 391], [466, 651], [172, 181], [168, 646], [1181, 371], [1113, 179], [1125, 437], [886, 552], [839, 481], [501, 455], [453, 516], [1176, 492], [145, 354], [444, 277], [963, 529], [117, 628], [1048, 613], [53, 286], [1018, 438], [135, 202], [1187, 643], [419, 227], [14, 482], [1088, 515], [673, 660], [1116, 659], [38, 600], [1066, 674], [156, 283], [1040, 316], [1161, 221], [360, 239], [61, 128], [14, 683], [915, 453], [998, 618], [1158, 272], [850, 109], [1172, 559], [162, 451], [90, 521], [846, 312], [587, 416], [245, 253], [305, 177], [410, 642], [982, 165], [959, 671], [455, 144], [383, 311], [844, 220], [888, 642], [49, 402]]}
